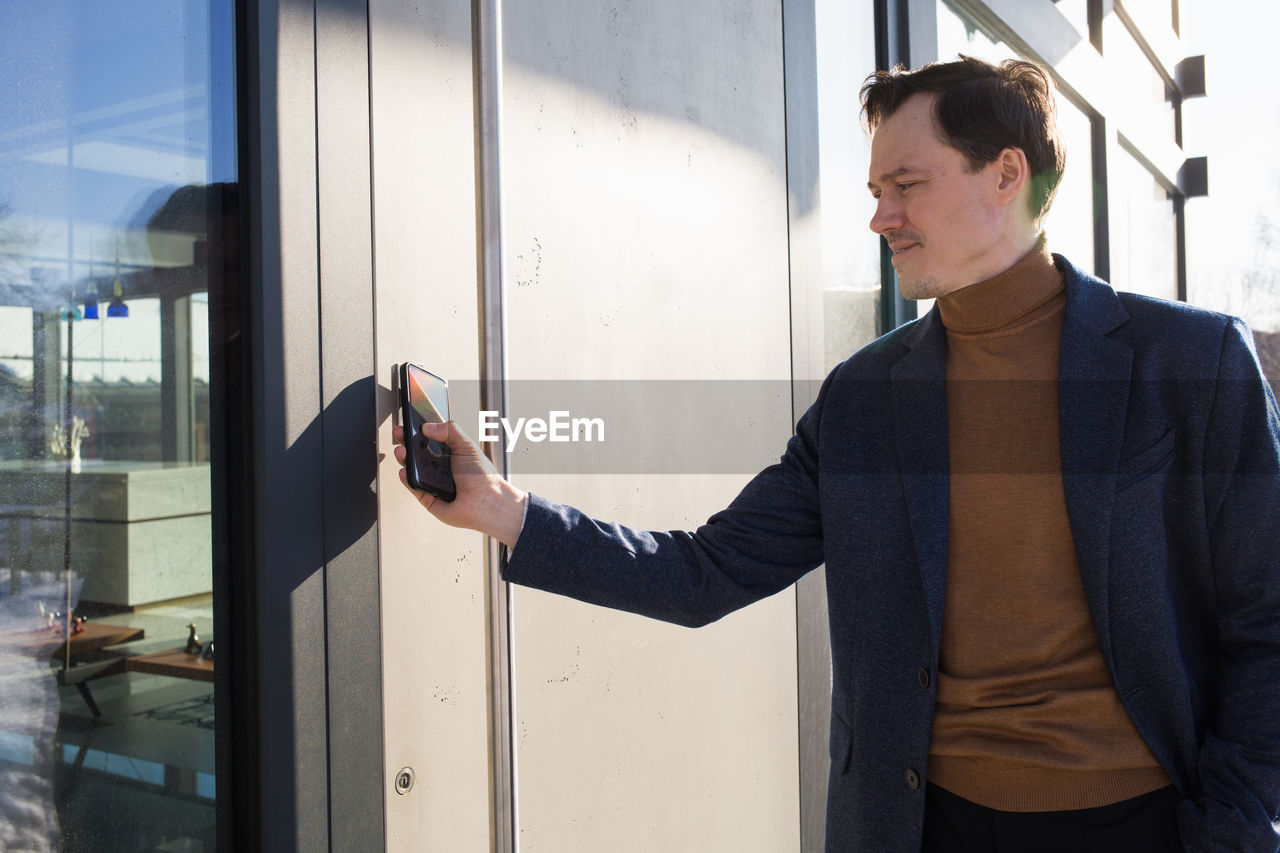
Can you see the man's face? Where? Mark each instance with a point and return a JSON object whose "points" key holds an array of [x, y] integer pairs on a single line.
{"points": [[941, 220]]}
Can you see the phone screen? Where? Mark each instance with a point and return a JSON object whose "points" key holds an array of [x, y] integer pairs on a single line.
{"points": [[428, 397], [424, 399]]}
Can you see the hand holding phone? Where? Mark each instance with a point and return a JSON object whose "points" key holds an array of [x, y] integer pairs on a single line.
{"points": [[424, 398]]}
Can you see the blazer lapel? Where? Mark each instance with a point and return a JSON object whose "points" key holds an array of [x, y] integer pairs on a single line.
{"points": [[920, 432], [1093, 392]]}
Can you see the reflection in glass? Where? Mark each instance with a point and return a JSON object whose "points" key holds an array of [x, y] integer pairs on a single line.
{"points": [[117, 171]]}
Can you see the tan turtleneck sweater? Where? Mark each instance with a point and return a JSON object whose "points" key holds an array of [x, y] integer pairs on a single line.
{"points": [[1027, 716]]}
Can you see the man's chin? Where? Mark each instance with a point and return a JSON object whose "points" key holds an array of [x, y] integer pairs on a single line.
{"points": [[919, 288]]}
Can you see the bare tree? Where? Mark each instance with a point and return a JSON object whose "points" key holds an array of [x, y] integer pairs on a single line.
{"points": [[1262, 279]]}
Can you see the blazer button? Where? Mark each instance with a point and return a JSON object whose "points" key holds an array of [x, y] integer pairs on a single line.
{"points": [[922, 676], [913, 779]]}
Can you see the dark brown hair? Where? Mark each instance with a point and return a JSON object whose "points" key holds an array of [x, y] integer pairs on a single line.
{"points": [[980, 110]]}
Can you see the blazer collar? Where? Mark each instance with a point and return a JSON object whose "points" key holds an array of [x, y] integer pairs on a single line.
{"points": [[920, 433], [1091, 302], [1094, 374]]}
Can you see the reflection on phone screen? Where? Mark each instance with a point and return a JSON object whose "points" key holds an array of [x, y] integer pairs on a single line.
{"points": [[428, 397]]}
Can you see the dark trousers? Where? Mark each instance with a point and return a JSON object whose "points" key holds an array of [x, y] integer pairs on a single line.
{"points": [[1147, 823]]}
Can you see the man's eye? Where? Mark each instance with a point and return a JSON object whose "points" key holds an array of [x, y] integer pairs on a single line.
{"points": [[903, 187]]}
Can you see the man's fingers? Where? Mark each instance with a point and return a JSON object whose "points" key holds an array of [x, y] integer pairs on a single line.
{"points": [[397, 435], [400, 453], [448, 433], [428, 501], [454, 436]]}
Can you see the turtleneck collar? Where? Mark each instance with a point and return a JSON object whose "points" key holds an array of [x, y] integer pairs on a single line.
{"points": [[1006, 299]]}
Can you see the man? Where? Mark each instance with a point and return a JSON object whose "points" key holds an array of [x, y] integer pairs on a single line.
{"points": [[1050, 517]]}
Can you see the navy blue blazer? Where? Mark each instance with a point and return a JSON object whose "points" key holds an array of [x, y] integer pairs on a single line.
{"points": [[1170, 442]]}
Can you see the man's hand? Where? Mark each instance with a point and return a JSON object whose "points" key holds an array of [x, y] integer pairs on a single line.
{"points": [[485, 501]]}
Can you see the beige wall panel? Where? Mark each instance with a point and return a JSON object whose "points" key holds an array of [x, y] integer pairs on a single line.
{"points": [[433, 611], [635, 735], [646, 238]]}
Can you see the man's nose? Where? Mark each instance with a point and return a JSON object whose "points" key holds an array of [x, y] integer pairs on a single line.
{"points": [[888, 215]]}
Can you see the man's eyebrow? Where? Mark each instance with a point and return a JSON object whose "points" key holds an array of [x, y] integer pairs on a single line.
{"points": [[889, 176]]}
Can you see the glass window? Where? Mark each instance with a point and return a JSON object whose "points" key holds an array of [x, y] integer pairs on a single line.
{"points": [[1159, 13], [117, 183], [1077, 12], [1143, 231], [1148, 100], [850, 252], [958, 33], [1069, 223]]}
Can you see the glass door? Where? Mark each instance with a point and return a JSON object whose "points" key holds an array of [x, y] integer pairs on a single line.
{"points": [[117, 198]]}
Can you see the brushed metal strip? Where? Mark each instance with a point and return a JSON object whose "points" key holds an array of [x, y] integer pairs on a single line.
{"points": [[487, 58]]}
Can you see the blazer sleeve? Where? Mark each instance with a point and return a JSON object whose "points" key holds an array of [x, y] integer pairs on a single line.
{"points": [[1238, 807], [763, 542]]}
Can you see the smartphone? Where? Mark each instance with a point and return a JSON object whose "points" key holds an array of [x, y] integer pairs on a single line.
{"points": [[424, 399]]}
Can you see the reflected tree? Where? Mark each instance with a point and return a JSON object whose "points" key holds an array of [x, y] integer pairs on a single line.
{"points": [[15, 238]]}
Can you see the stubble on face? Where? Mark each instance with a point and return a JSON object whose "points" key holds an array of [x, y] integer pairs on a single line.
{"points": [[912, 285], [927, 287]]}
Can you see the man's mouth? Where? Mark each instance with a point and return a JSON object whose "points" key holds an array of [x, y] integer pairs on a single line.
{"points": [[902, 241]]}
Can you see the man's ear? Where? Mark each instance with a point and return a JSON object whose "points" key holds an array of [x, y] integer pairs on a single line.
{"points": [[1013, 173]]}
